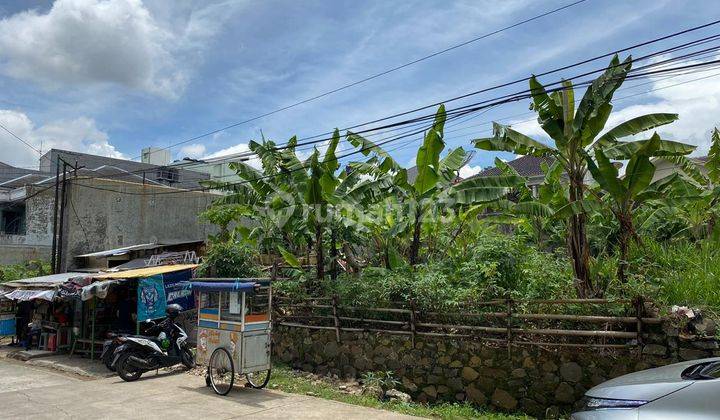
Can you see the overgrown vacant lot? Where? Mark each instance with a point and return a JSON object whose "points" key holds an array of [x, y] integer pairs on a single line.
{"points": [[496, 265]]}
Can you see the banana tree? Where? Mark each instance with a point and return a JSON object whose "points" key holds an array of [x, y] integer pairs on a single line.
{"points": [[435, 188], [625, 193], [574, 131]]}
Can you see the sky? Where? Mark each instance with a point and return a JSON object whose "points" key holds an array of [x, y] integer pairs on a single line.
{"points": [[111, 77]]}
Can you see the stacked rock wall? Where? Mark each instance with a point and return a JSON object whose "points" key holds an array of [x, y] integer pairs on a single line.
{"points": [[529, 379]]}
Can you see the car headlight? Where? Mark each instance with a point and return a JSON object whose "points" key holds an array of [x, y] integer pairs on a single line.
{"points": [[592, 403]]}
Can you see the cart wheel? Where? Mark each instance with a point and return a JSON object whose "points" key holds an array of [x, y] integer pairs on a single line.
{"points": [[221, 371], [259, 379]]}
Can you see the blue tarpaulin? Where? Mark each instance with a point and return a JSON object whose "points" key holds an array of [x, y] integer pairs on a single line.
{"points": [[224, 286], [7, 325]]}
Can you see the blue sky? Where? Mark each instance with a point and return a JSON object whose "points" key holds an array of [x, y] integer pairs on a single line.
{"points": [[111, 77]]}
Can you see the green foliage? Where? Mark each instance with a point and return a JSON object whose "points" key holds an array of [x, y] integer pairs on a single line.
{"points": [[683, 273], [495, 266], [286, 380], [33, 268], [229, 259], [384, 380]]}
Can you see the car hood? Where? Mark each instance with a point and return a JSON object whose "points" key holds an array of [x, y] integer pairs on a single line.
{"points": [[647, 385]]}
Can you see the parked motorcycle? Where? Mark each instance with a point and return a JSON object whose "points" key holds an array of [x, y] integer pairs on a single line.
{"points": [[111, 344], [139, 354]]}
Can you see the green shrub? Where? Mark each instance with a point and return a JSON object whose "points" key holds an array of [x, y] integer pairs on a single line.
{"points": [[230, 259], [33, 268], [495, 266]]}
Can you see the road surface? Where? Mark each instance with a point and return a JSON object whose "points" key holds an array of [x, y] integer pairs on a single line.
{"points": [[37, 393]]}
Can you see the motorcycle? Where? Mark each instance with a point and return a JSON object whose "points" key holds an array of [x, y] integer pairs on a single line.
{"points": [[139, 354], [110, 345]]}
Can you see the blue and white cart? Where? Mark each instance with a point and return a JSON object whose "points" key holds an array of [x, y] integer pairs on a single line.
{"points": [[234, 330]]}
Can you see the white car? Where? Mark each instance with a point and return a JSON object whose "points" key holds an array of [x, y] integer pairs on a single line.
{"points": [[687, 390]]}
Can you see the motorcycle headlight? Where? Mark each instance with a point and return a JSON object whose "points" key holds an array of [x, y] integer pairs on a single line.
{"points": [[592, 403]]}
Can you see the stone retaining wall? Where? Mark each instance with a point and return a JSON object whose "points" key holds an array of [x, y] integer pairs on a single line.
{"points": [[529, 379]]}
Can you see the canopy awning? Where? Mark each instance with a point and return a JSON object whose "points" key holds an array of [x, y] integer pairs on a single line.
{"points": [[43, 282], [145, 272], [25, 295], [224, 286]]}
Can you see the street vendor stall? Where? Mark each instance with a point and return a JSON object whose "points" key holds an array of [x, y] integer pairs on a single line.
{"points": [[119, 302], [40, 319], [234, 329]]}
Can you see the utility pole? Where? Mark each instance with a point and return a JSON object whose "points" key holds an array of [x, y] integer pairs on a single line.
{"points": [[63, 201], [58, 259], [53, 253]]}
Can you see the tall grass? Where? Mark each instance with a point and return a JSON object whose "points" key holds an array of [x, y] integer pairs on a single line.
{"points": [[684, 273]]}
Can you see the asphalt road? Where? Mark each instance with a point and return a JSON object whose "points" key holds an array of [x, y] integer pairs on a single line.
{"points": [[31, 392]]}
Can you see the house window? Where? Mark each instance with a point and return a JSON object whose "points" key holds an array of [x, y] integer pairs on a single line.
{"points": [[168, 175], [12, 220]]}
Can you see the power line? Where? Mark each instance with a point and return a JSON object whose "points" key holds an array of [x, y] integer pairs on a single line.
{"points": [[19, 139], [464, 110], [642, 44], [337, 158], [515, 97], [665, 51], [406, 144], [377, 75], [467, 109]]}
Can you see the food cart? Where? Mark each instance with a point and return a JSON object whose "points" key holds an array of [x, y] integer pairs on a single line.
{"points": [[234, 331]]}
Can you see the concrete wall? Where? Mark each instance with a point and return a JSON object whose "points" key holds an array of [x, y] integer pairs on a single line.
{"points": [[37, 242], [105, 214]]}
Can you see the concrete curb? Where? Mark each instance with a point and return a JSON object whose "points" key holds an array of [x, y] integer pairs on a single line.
{"points": [[51, 364]]}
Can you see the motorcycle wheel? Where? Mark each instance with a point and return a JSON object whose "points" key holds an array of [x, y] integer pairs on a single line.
{"points": [[188, 358], [109, 366], [126, 371], [258, 380], [221, 371]]}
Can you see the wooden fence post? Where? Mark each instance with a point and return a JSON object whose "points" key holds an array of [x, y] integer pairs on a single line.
{"points": [[413, 320], [639, 307], [508, 324], [335, 317]]}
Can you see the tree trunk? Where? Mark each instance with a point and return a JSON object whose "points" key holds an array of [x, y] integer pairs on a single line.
{"points": [[319, 252], [627, 232], [350, 257], [333, 254], [415, 246], [578, 244]]}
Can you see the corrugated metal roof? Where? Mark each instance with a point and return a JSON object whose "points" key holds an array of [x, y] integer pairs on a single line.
{"points": [[151, 245], [120, 251], [145, 272], [43, 281]]}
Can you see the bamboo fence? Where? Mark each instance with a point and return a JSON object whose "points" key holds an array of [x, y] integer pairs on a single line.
{"points": [[508, 322]]}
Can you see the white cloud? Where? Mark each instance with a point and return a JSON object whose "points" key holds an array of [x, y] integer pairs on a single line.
{"points": [[694, 97], [468, 170], [238, 148], [80, 42], [194, 150], [697, 103], [79, 134]]}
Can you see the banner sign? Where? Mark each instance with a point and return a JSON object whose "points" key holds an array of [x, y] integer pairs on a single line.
{"points": [[178, 289], [151, 300]]}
